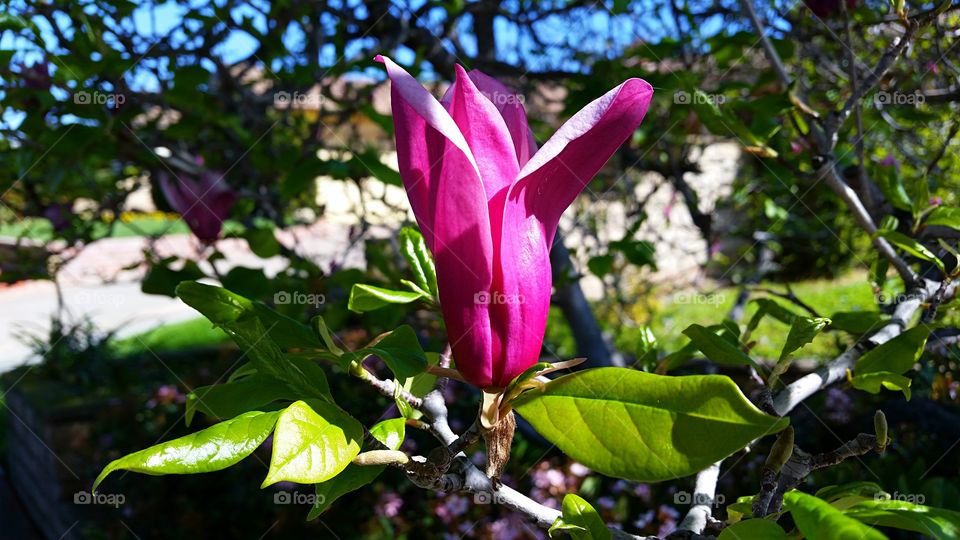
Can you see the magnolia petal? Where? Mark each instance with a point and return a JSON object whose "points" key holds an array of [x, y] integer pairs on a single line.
{"points": [[510, 105], [447, 194], [548, 183], [424, 134], [488, 138], [559, 171]]}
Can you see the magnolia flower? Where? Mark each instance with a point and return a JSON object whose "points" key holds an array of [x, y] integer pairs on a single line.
{"points": [[488, 204], [203, 202]]}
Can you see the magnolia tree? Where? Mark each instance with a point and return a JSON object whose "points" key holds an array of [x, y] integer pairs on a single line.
{"points": [[818, 109], [488, 203]]}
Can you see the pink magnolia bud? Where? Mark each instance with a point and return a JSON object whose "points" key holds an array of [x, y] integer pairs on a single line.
{"points": [[488, 203]]}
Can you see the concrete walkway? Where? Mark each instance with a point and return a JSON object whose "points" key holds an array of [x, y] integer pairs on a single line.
{"points": [[103, 283]]}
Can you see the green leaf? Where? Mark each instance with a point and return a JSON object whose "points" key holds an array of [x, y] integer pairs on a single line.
{"points": [[288, 333], [312, 443], [944, 215], [754, 529], [320, 326], [776, 310], [250, 282], [600, 265], [263, 242], [399, 349], [212, 449], [239, 318], [897, 355], [802, 332], [365, 297], [390, 433], [223, 401], [716, 348], [644, 427], [860, 489], [891, 185], [161, 279], [580, 520], [927, 520], [817, 520], [872, 382], [912, 247], [857, 322], [414, 249]]}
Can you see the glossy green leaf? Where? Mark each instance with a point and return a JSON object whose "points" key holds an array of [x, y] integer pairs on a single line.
{"points": [[645, 427], [390, 433], [861, 488], [212, 449], [580, 521], [399, 349], [857, 322], [944, 215], [927, 520], [802, 332], [716, 348], [365, 297], [817, 520], [414, 249], [312, 443], [286, 332], [753, 529], [224, 401], [897, 355], [873, 382], [239, 318], [912, 247]]}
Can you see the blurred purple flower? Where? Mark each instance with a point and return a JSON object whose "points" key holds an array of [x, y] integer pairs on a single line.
{"points": [[203, 202], [389, 504]]}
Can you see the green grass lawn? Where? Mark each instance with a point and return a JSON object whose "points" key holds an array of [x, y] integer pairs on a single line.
{"points": [[41, 230], [669, 313], [190, 334], [851, 292]]}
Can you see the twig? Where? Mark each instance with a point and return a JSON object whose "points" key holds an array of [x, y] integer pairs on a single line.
{"points": [[387, 388], [836, 369], [701, 506], [771, 53]]}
